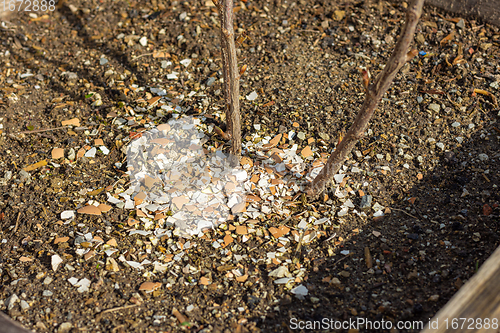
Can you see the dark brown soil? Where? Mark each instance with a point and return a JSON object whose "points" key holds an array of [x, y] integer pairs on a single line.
{"points": [[304, 60]]}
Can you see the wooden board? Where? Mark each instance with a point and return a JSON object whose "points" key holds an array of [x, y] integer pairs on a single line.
{"points": [[478, 299], [487, 10], [8, 325]]}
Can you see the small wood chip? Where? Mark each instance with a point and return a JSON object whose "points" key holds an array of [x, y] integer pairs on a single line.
{"points": [[368, 258], [180, 317], [35, 166], [153, 101]]}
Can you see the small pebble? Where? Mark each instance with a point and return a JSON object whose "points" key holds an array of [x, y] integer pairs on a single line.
{"points": [[434, 107], [455, 124], [366, 201], [65, 327], [210, 81], [483, 157], [11, 301], [24, 176], [24, 305], [47, 293]]}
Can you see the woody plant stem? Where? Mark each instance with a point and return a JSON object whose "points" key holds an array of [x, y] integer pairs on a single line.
{"points": [[374, 93], [231, 75]]}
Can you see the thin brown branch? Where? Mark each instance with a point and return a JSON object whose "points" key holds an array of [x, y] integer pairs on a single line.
{"points": [[374, 94], [118, 309], [231, 76], [41, 130]]}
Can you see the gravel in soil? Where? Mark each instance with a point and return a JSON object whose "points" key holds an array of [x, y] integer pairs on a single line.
{"points": [[409, 219]]}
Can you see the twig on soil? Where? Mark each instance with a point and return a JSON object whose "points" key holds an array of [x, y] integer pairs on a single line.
{"points": [[259, 246], [116, 309], [142, 55], [401, 210], [378, 285], [299, 245], [48, 136], [374, 93], [293, 216], [331, 237], [17, 223], [347, 256], [40, 130], [306, 30]]}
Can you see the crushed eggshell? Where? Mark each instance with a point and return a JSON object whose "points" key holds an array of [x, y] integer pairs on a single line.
{"points": [[89, 209], [57, 153], [71, 122], [56, 260], [104, 208], [67, 214], [60, 240], [306, 152], [149, 286]]}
